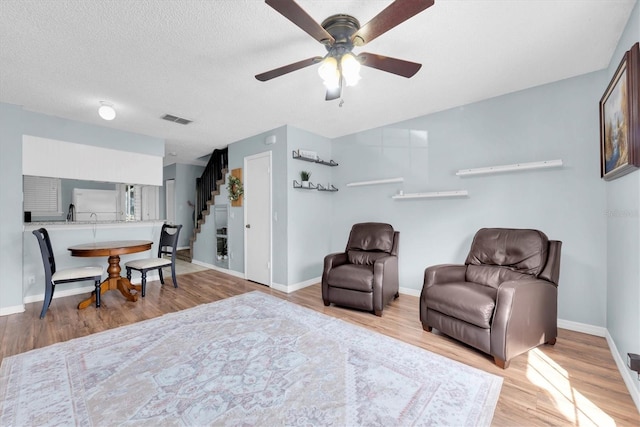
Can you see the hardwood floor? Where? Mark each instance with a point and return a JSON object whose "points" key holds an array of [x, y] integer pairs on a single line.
{"points": [[575, 382]]}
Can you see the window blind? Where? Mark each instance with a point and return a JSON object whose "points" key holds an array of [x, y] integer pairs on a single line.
{"points": [[42, 195]]}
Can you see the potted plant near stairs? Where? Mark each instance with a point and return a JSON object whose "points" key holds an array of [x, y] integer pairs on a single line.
{"points": [[304, 178]]}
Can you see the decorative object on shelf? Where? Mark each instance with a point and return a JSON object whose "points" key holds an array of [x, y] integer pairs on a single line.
{"points": [[296, 155], [308, 154], [376, 182], [620, 119], [235, 187], [511, 168], [431, 195], [304, 177]]}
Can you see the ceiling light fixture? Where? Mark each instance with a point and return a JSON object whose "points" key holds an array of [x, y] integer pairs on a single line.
{"points": [[106, 111], [333, 69]]}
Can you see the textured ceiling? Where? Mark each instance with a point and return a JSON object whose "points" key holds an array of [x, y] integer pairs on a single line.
{"points": [[197, 59]]}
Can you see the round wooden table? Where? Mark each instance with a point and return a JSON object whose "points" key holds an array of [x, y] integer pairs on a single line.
{"points": [[113, 250]]}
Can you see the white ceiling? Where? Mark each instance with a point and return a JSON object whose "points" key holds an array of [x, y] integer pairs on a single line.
{"points": [[197, 59]]}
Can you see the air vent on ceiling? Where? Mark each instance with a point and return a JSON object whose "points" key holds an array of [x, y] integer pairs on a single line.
{"points": [[176, 119]]}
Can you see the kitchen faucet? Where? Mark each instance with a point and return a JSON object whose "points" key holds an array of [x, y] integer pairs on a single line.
{"points": [[95, 224]]}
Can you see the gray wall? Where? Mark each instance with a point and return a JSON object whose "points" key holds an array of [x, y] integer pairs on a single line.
{"points": [[15, 122], [11, 130], [309, 212], [623, 238], [555, 121]]}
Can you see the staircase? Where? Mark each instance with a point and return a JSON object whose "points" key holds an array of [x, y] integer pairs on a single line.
{"points": [[207, 187]]}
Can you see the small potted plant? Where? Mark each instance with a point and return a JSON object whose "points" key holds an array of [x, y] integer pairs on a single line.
{"points": [[304, 177]]}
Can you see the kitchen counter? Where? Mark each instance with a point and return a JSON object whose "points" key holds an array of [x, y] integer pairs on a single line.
{"points": [[30, 226]]}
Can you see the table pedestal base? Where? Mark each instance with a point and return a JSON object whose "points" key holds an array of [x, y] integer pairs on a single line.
{"points": [[114, 281]]}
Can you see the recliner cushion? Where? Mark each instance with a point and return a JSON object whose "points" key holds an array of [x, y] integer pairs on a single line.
{"points": [[521, 250], [371, 236], [353, 277], [472, 302], [364, 257], [491, 275]]}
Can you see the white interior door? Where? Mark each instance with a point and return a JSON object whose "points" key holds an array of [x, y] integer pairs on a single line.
{"points": [[257, 218], [170, 186]]}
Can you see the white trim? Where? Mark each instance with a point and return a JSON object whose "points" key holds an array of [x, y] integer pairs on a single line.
{"points": [[376, 182], [410, 291], [598, 331], [59, 294], [12, 310], [296, 286], [220, 269], [433, 194], [510, 168], [624, 371]]}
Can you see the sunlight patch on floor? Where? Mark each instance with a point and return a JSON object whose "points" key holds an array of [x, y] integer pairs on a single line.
{"points": [[551, 377]]}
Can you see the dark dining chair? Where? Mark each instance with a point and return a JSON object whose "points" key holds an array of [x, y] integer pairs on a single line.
{"points": [[168, 246], [68, 275]]}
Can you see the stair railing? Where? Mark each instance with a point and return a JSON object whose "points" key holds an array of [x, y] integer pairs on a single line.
{"points": [[207, 183]]}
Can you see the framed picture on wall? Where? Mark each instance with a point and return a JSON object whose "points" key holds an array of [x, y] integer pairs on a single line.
{"points": [[620, 119]]}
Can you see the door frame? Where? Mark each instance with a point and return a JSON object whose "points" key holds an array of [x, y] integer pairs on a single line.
{"points": [[247, 204]]}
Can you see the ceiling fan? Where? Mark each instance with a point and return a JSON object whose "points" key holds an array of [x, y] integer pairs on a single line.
{"points": [[340, 34]]}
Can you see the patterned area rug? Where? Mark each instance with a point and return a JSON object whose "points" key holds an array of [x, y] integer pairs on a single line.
{"points": [[252, 359]]}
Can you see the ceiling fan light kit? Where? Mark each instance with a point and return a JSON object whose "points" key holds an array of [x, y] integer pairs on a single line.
{"points": [[339, 34]]}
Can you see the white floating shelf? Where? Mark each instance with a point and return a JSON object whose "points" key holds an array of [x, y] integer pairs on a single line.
{"points": [[432, 195], [509, 168], [376, 182]]}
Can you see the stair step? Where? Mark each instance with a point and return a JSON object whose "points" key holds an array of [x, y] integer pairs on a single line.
{"points": [[184, 255]]}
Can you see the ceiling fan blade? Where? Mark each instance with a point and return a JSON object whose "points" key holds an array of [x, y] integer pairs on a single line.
{"points": [[394, 14], [334, 93], [277, 72], [294, 13], [391, 65]]}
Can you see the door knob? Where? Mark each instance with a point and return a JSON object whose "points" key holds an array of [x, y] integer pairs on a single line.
{"points": [[248, 226]]}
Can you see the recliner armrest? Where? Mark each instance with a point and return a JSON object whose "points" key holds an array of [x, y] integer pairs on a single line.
{"points": [[334, 260], [382, 270], [444, 273], [525, 316]]}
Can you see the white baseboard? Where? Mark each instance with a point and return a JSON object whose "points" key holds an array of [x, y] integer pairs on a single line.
{"points": [[627, 376], [60, 293], [220, 269], [5, 311], [598, 331], [296, 286], [410, 291]]}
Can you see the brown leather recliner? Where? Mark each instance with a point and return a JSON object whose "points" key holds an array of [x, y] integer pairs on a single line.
{"points": [[365, 275], [503, 301]]}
